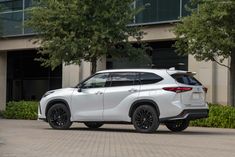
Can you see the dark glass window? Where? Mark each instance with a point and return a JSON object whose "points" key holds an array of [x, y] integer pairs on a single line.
{"points": [[149, 78], [123, 79], [96, 81], [186, 79], [158, 10], [28, 3], [11, 5], [186, 3], [12, 23]]}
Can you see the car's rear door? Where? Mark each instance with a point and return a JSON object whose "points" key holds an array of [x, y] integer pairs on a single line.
{"points": [[122, 91], [195, 97]]}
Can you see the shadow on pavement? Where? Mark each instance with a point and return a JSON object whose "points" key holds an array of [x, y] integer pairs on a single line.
{"points": [[167, 132]]}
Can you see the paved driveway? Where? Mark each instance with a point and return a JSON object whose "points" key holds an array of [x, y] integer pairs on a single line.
{"points": [[20, 138]]}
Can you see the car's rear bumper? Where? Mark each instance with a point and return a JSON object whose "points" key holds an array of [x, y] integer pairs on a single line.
{"points": [[189, 114]]}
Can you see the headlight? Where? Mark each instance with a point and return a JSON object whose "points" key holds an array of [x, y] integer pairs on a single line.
{"points": [[48, 93]]}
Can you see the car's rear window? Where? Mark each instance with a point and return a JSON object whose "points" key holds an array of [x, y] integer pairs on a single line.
{"points": [[186, 79]]}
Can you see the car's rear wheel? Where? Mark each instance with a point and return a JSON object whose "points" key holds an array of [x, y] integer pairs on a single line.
{"points": [[58, 117], [177, 125], [145, 119], [93, 125]]}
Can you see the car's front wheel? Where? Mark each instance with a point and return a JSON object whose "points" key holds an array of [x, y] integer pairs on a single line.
{"points": [[93, 125], [145, 119], [177, 125], [58, 117]]}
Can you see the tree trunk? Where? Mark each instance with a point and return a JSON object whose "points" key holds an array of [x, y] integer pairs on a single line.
{"points": [[232, 79], [93, 65]]}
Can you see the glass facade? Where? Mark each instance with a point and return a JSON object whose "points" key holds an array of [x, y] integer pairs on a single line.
{"points": [[160, 11], [12, 17], [13, 14]]}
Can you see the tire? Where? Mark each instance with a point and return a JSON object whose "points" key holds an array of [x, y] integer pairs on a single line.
{"points": [[93, 125], [145, 119], [58, 117], [178, 125]]}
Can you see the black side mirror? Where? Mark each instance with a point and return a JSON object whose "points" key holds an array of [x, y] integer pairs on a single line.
{"points": [[79, 89]]}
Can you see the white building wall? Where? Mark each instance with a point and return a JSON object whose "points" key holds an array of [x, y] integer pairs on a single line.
{"points": [[212, 76]]}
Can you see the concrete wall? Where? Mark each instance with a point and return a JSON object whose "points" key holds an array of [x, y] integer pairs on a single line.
{"points": [[158, 33], [3, 79], [7, 44]]}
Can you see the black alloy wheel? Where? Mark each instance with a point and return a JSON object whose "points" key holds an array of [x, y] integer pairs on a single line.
{"points": [[177, 125], [145, 119], [58, 117], [93, 125]]}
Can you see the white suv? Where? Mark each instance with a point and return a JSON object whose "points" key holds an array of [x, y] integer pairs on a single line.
{"points": [[142, 97]]}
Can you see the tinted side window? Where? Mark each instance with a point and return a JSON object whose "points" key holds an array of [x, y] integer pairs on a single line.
{"points": [[96, 81], [123, 79], [186, 79], [149, 78]]}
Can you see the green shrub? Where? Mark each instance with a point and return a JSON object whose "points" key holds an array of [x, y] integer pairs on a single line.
{"points": [[21, 110], [219, 117]]}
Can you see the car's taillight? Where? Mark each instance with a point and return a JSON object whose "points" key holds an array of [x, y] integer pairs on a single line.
{"points": [[178, 89], [205, 89]]}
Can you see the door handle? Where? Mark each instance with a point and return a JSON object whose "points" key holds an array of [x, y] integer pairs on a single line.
{"points": [[132, 90], [99, 93]]}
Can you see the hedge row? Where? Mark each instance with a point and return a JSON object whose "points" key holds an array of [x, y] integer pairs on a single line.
{"points": [[21, 110], [219, 116]]}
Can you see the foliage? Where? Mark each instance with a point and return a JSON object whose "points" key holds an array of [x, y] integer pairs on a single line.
{"points": [[209, 34], [76, 30], [219, 117], [21, 110]]}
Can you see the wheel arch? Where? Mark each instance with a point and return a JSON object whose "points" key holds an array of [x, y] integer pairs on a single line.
{"points": [[55, 101], [138, 103]]}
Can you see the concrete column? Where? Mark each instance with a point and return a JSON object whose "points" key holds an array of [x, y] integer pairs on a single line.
{"points": [[86, 70], [204, 74], [101, 64], [212, 76], [73, 74], [70, 75], [3, 79]]}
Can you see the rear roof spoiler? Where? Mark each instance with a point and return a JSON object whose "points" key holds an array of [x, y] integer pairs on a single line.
{"points": [[180, 71]]}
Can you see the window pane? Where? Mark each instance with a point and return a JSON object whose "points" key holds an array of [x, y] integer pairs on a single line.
{"points": [[11, 23], [97, 81], [149, 78], [149, 14], [158, 10], [28, 3], [123, 79], [27, 30], [184, 10], [11, 5], [168, 10]]}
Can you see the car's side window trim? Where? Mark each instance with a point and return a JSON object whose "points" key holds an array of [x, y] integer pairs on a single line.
{"points": [[134, 81]]}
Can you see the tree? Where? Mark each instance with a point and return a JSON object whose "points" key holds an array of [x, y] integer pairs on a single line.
{"points": [[76, 30], [209, 34]]}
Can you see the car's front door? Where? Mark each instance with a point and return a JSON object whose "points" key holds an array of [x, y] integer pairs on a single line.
{"points": [[87, 101]]}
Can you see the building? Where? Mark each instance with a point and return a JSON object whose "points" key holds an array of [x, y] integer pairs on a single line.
{"points": [[22, 78]]}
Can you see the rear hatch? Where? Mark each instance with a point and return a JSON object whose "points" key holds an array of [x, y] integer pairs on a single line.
{"points": [[195, 96]]}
